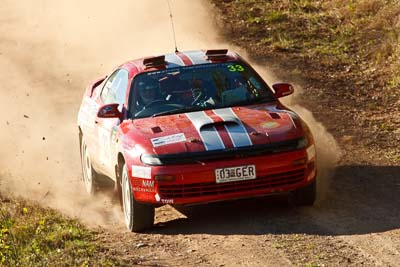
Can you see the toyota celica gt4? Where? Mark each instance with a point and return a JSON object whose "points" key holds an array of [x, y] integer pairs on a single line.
{"points": [[192, 127]]}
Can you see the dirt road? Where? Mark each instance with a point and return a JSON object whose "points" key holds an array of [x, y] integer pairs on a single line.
{"points": [[357, 224], [49, 51]]}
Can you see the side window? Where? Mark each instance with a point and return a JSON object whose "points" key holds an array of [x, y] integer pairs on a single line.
{"points": [[119, 87], [115, 88]]}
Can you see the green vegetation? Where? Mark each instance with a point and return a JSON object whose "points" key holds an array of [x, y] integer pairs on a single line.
{"points": [[33, 236], [351, 32], [345, 54]]}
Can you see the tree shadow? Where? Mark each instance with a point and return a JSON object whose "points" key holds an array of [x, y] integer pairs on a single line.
{"points": [[360, 200]]}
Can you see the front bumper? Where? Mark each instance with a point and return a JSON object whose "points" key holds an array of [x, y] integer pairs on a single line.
{"points": [[196, 183]]}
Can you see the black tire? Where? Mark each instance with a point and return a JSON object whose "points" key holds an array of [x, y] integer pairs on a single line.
{"points": [[138, 217], [305, 196], [89, 175]]}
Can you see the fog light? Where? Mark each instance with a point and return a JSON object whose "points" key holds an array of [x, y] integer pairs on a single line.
{"points": [[164, 178], [310, 170]]}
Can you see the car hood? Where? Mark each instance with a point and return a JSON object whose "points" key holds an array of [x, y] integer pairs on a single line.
{"points": [[212, 130]]}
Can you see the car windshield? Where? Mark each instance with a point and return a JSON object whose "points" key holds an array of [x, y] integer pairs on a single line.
{"points": [[194, 88]]}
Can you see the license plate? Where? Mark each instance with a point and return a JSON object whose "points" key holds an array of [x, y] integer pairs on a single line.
{"points": [[233, 174]]}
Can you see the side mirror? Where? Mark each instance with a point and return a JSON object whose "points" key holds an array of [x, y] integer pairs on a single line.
{"points": [[109, 111], [282, 89]]}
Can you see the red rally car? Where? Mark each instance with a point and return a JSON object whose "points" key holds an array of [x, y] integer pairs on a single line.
{"points": [[192, 127]]}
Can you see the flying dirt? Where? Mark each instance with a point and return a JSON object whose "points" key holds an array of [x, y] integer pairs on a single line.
{"points": [[49, 52]]}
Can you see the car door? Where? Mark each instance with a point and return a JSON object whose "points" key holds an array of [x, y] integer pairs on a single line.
{"points": [[114, 91], [88, 113]]}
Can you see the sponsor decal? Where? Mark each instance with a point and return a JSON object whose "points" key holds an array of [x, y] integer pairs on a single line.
{"points": [[141, 172], [270, 124], [148, 183], [143, 190], [167, 201], [169, 139]]}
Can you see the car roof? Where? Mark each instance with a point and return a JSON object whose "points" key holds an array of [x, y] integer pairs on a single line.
{"points": [[180, 59]]}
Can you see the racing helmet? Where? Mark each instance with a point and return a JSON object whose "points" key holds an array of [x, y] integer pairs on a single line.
{"points": [[148, 91]]}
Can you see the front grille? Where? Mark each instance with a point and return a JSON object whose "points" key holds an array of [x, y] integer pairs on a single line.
{"points": [[232, 153], [213, 189]]}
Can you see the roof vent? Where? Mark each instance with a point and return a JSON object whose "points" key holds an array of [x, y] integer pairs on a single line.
{"points": [[217, 53], [152, 62]]}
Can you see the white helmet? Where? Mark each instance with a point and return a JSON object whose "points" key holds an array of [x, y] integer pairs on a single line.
{"points": [[148, 91]]}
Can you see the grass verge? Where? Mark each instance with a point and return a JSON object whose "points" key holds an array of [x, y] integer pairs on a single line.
{"points": [[34, 236], [344, 54]]}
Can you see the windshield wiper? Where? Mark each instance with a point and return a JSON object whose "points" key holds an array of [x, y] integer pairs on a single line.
{"points": [[178, 110]]}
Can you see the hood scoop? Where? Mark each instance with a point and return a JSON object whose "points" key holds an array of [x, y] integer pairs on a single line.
{"points": [[210, 129], [218, 121], [218, 124], [156, 129]]}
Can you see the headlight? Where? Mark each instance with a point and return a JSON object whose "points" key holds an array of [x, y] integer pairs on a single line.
{"points": [[150, 159], [311, 152]]}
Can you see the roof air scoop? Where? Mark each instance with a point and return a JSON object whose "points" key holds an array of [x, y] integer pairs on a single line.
{"points": [[216, 53], [152, 62]]}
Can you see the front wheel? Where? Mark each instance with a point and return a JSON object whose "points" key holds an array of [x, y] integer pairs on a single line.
{"points": [[90, 176], [138, 217]]}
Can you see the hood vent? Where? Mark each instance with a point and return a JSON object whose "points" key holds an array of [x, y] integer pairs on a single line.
{"points": [[274, 115], [156, 129]]}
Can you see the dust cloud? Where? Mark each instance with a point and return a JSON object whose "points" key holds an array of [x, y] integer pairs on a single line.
{"points": [[49, 51], [328, 151]]}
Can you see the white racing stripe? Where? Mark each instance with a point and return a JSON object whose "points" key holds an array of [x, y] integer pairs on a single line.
{"points": [[237, 132], [197, 57], [174, 59], [209, 135]]}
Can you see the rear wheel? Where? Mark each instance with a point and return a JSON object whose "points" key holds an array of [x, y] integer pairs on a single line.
{"points": [[138, 217], [89, 176], [305, 196]]}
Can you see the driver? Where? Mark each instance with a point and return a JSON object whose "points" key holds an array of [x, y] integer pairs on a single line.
{"points": [[148, 92]]}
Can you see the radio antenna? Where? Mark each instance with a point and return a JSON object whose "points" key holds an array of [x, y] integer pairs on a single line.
{"points": [[173, 28]]}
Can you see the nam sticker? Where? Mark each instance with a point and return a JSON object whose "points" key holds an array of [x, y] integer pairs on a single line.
{"points": [[169, 139], [147, 183]]}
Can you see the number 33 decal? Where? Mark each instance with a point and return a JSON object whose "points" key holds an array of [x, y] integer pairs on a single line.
{"points": [[234, 68]]}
